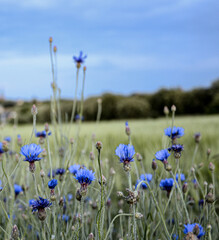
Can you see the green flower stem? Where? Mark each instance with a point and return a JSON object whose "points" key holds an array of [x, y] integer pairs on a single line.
{"points": [[181, 196], [75, 99], [50, 159]]}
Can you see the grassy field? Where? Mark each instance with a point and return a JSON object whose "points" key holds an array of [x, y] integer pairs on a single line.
{"points": [[147, 137]]}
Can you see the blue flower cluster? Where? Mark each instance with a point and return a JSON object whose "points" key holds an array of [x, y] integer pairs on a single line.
{"points": [[144, 177], [52, 183], [40, 203], [80, 58], [182, 177], [189, 228], [17, 189], [125, 153], [166, 184], [31, 152], [85, 176], [162, 155], [73, 169], [60, 171], [176, 132]]}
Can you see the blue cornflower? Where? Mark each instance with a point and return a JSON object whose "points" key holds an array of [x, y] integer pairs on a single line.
{"points": [[70, 197], [31, 202], [31, 152], [201, 202], [175, 237], [74, 168], [17, 189], [125, 153], [40, 204], [189, 228], [60, 171], [126, 124], [0, 185], [177, 132], [80, 59], [144, 177], [85, 176], [41, 134], [53, 174], [8, 139], [166, 184], [65, 218], [1, 148], [162, 155], [176, 148], [182, 177], [52, 183], [78, 117]]}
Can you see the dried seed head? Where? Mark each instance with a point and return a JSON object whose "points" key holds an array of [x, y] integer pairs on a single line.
{"points": [[103, 181], [190, 236], [120, 211], [154, 165], [120, 194], [210, 198], [15, 233], [61, 202], [72, 141]]}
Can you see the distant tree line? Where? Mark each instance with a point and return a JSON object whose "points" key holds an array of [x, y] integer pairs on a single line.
{"points": [[135, 106]]}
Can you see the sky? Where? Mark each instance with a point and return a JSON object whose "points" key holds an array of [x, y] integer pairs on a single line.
{"points": [[132, 46]]}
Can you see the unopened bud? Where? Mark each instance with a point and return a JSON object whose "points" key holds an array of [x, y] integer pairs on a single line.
{"points": [[120, 194], [167, 166], [173, 108], [61, 202], [99, 145], [185, 187], [197, 137], [139, 157], [91, 236], [112, 171], [154, 165], [99, 101], [34, 110], [120, 211], [42, 173], [50, 39], [54, 49], [208, 152], [92, 157], [211, 166], [211, 186], [5, 146], [166, 110], [201, 165], [103, 181], [78, 195], [209, 198], [84, 68], [15, 233], [46, 127], [209, 227], [205, 183], [72, 141]]}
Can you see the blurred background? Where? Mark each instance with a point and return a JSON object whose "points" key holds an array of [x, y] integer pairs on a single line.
{"points": [[141, 55]]}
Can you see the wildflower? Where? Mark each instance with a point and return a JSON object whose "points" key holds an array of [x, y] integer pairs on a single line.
{"points": [[209, 198], [70, 197], [133, 196], [139, 157], [17, 189], [154, 165], [15, 233], [0, 185], [125, 154], [40, 205], [7, 139], [162, 155], [65, 218], [177, 149], [211, 167], [201, 202], [182, 177], [99, 145], [60, 172], [91, 156], [174, 133], [80, 59], [197, 137], [175, 237], [53, 174], [31, 202], [19, 140], [52, 183], [85, 178], [195, 228], [34, 110], [127, 129], [144, 177], [167, 184], [184, 187], [31, 153], [74, 168]]}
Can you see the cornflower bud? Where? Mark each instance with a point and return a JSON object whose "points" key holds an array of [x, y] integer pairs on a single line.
{"points": [[139, 157], [99, 145], [91, 236], [208, 152], [185, 187], [138, 215], [42, 173], [34, 110], [50, 40], [166, 110], [211, 167], [103, 181], [209, 198], [15, 233], [154, 165], [72, 141], [84, 68], [112, 171], [54, 49], [92, 157], [46, 127], [173, 108]]}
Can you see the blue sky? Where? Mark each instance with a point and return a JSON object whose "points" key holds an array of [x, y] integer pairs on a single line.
{"points": [[132, 46]]}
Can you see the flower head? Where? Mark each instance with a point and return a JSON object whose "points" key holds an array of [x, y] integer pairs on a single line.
{"points": [[80, 59], [166, 184], [162, 155], [60, 171], [17, 189], [31, 152], [125, 153], [0, 185], [74, 168], [85, 176], [1, 148], [176, 148], [41, 134], [182, 177], [190, 228], [52, 183], [176, 132], [31, 202], [144, 177], [40, 203], [53, 174], [7, 139]]}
